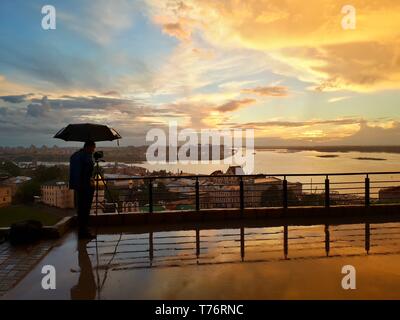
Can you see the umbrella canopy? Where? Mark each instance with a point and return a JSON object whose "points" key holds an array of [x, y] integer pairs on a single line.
{"points": [[87, 132]]}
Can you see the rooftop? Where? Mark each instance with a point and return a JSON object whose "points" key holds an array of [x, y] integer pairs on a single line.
{"points": [[217, 263]]}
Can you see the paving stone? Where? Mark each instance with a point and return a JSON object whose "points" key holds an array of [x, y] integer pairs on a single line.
{"points": [[16, 262]]}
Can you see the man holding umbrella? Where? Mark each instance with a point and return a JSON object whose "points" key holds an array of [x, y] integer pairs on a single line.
{"points": [[82, 166], [81, 181]]}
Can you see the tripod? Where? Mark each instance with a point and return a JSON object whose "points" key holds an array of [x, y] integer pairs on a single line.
{"points": [[100, 177]]}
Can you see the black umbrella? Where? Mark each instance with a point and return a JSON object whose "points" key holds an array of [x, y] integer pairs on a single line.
{"points": [[87, 132]]}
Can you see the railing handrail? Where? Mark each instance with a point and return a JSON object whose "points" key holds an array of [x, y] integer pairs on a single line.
{"points": [[261, 175], [327, 192]]}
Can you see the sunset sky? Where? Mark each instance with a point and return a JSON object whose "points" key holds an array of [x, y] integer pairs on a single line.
{"points": [[285, 68]]}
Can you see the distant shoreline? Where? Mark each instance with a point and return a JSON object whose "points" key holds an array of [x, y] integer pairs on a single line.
{"points": [[137, 155], [369, 149], [370, 158], [328, 156]]}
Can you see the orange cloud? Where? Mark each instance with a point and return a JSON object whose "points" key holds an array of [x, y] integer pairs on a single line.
{"points": [[306, 40], [274, 91], [235, 105], [179, 27], [176, 30]]}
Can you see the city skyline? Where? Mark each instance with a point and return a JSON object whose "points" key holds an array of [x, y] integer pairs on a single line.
{"points": [[289, 71]]}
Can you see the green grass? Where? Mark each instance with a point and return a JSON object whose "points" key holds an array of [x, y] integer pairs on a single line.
{"points": [[12, 214]]}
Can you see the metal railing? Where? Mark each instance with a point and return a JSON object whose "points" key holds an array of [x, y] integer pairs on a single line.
{"points": [[197, 192]]}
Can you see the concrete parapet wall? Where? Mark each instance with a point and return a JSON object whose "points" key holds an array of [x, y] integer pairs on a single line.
{"points": [[208, 215]]}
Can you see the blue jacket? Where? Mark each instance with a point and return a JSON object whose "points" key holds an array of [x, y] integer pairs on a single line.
{"points": [[81, 167]]}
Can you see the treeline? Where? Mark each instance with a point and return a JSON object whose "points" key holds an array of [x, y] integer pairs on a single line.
{"points": [[120, 154], [9, 169], [40, 175]]}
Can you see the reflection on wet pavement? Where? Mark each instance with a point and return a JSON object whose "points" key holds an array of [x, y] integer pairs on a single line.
{"points": [[198, 247], [254, 263], [16, 262]]}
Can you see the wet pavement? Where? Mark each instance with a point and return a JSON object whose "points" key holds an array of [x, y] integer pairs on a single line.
{"points": [[286, 262], [16, 262]]}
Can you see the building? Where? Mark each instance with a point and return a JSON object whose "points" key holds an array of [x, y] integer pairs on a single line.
{"points": [[129, 170], [391, 194], [181, 185], [5, 196], [224, 192], [15, 182], [269, 183], [129, 207], [229, 197], [57, 194], [235, 170], [118, 180]]}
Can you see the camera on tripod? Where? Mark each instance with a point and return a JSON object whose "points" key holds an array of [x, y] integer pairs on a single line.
{"points": [[98, 156]]}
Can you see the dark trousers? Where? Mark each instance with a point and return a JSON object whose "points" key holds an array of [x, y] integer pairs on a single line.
{"points": [[83, 204]]}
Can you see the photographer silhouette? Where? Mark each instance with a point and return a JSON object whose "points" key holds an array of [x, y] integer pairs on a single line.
{"points": [[81, 181]]}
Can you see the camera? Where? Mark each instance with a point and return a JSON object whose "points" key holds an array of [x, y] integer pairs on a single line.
{"points": [[98, 155]]}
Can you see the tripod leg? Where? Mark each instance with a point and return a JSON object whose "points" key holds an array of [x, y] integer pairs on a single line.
{"points": [[107, 190]]}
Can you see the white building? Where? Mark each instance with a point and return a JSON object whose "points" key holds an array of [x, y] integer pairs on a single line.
{"points": [[57, 194]]}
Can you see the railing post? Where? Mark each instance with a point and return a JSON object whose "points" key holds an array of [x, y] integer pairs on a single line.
{"points": [[367, 237], [151, 248], [241, 193], [327, 193], [242, 247], [285, 241], [367, 191], [197, 242], [285, 193], [327, 240], [150, 196], [197, 187], [97, 194]]}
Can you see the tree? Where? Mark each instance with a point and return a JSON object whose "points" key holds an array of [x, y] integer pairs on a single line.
{"points": [[273, 197], [160, 193], [27, 192], [44, 174], [11, 168]]}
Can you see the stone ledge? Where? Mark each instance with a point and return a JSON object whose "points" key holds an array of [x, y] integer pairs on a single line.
{"points": [[50, 232], [298, 214], [209, 215]]}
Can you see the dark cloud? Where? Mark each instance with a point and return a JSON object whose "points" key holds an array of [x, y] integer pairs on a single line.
{"points": [[42, 118], [38, 110], [373, 135], [16, 98], [91, 103]]}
